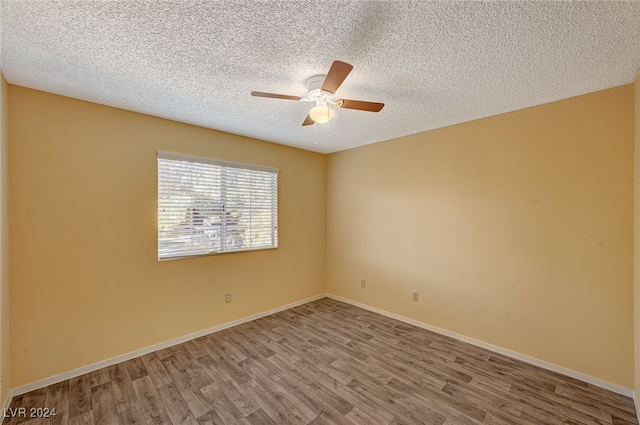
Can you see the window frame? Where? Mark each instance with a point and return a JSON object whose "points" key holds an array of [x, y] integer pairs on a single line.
{"points": [[224, 166]]}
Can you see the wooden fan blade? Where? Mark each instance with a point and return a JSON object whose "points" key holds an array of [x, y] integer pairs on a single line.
{"points": [[335, 77], [308, 121], [361, 105], [274, 95]]}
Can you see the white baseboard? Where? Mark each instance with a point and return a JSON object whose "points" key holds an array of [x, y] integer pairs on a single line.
{"points": [[7, 401], [531, 360], [137, 353], [635, 403]]}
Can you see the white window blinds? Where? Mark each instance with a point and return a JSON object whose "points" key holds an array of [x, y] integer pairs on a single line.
{"points": [[208, 206]]}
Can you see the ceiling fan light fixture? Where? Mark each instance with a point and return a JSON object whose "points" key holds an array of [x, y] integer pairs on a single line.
{"points": [[321, 114]]}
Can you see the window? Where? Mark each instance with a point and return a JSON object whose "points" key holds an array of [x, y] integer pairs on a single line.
{"points": [[208, 206]]}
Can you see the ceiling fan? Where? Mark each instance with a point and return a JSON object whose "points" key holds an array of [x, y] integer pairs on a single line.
{"points": [[321, 90]]}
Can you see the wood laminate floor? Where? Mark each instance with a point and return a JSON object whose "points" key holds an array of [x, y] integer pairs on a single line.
{"points": [[325, 362]]}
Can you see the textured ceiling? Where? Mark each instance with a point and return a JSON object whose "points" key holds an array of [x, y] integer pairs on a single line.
{"points": [[432, 63]]}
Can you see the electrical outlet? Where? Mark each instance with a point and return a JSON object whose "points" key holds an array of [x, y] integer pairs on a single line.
{"points": [[227, 298], [415, 296], [363, 283]]}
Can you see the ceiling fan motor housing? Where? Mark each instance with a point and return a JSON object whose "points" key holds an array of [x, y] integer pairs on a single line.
{"points": [[315, 92]]}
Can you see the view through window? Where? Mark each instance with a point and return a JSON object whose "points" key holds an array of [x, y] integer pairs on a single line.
{"points": [[208, 206]]}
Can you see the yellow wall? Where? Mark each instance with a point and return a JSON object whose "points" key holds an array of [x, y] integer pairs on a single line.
{"points": [[636, 262], [516, 230], [85, 280], [4, 251]]}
